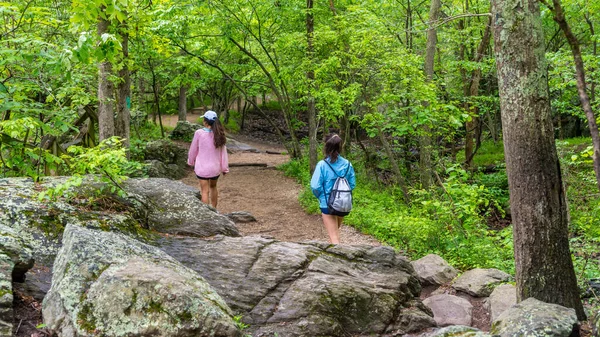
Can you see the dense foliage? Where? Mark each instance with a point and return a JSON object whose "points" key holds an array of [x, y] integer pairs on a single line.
{"points": [[368, 84]]}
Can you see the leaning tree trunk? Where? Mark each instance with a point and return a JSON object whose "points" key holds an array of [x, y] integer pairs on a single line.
{"points": [[311, 112], [122, 120], [544, 269], [425, 141], [559, 17], [106, 119]]}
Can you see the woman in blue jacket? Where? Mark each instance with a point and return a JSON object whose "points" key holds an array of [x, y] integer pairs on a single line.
{"points": [[323, 179]]}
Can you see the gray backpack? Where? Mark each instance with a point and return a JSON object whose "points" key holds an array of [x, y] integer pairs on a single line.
{"points": [[340, 197]]}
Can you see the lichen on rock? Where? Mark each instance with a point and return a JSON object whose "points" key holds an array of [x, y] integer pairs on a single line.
{"points": [[106, 283]]}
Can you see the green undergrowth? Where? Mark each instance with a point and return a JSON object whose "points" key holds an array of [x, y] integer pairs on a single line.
{"points": [[450, 222], [582, 193], [468, 221]]}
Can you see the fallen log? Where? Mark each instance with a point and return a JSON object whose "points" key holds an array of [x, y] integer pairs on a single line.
{"points": [[247, 164]]}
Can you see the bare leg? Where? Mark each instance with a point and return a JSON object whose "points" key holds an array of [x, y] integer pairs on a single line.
{"points": [[214, 193], [339, 221], [204, 188], [331, 224]]}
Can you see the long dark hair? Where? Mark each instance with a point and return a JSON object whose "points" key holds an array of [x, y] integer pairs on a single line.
{"points": [[218, 131], [333, 145]]}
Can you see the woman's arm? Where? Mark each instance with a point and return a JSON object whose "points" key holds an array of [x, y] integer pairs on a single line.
{"points": [[193, 152], [224, 160], [316, 182], [351, 177]]}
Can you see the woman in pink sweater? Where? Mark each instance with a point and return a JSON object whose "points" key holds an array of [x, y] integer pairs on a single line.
{"points": [[208, 155]]}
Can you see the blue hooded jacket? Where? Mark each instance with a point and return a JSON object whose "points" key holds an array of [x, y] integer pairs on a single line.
{"points": [[324, 177]]}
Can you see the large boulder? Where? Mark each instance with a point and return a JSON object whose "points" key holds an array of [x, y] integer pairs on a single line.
{"points": [[480, 282], [450, 310], [433, 270], [165, 159], [107, 284], [308, 289], [15, 260], [173, 207], [537, 319], [503, 297], [184, 130]]}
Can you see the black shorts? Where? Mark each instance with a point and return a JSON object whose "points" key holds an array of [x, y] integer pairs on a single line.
{"points": [[211, 178]]}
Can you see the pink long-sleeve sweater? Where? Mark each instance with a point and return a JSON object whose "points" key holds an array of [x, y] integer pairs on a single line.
{"points": [[207, 160]]}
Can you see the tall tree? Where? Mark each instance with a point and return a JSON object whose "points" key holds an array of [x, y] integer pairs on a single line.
{"points": [[559, 17], [425, 139], [310, 76], [123, 117], [544, 269], [106, 119]]}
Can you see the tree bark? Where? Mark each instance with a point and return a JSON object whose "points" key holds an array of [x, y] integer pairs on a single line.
{"points": [[425, 141], [544, 269], [106, 119], [311, 111], [182, 116], [559, 17], [122, 120]]}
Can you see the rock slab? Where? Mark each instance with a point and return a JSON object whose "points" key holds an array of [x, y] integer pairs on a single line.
{"points": [[457, 331], [503, 297], [433, 270], [107, 284], [450, 310], [308, 289], [15, 260], [536, 319], [480, 282], [173, 207]]}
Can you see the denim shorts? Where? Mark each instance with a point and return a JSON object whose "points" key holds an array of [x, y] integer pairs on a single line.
{"points": [[212, 178], [328, 211]]}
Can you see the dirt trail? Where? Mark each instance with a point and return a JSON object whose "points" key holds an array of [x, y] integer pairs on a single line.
{"points": [[272, 198]]}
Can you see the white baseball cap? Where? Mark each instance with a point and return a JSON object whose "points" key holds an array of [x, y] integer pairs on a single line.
{"points": [[210, 115]]}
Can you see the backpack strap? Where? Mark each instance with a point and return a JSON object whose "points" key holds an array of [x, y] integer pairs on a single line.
{"points": [[337, 175]]}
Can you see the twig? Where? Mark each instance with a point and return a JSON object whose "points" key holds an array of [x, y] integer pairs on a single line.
{"points": [[18, 327]]}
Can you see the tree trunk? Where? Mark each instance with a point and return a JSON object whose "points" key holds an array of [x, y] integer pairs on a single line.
{"points": [[544, 269], [395, 168], [311, 112], [559, 17], [106, 119], [473, 126], [122, 121], [425, 139], [182, 116]]}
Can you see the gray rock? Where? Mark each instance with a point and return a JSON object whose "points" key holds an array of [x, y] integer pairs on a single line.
{"points": [[433, 270], [241, 217], [184, 130], [450, 310], [536, 319], [109, 284], [235, 146], [165, 159], [306, 289], [480, 282], [457, 331], [503, 297], [173, 207], [158, 169], [15, 260]]}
